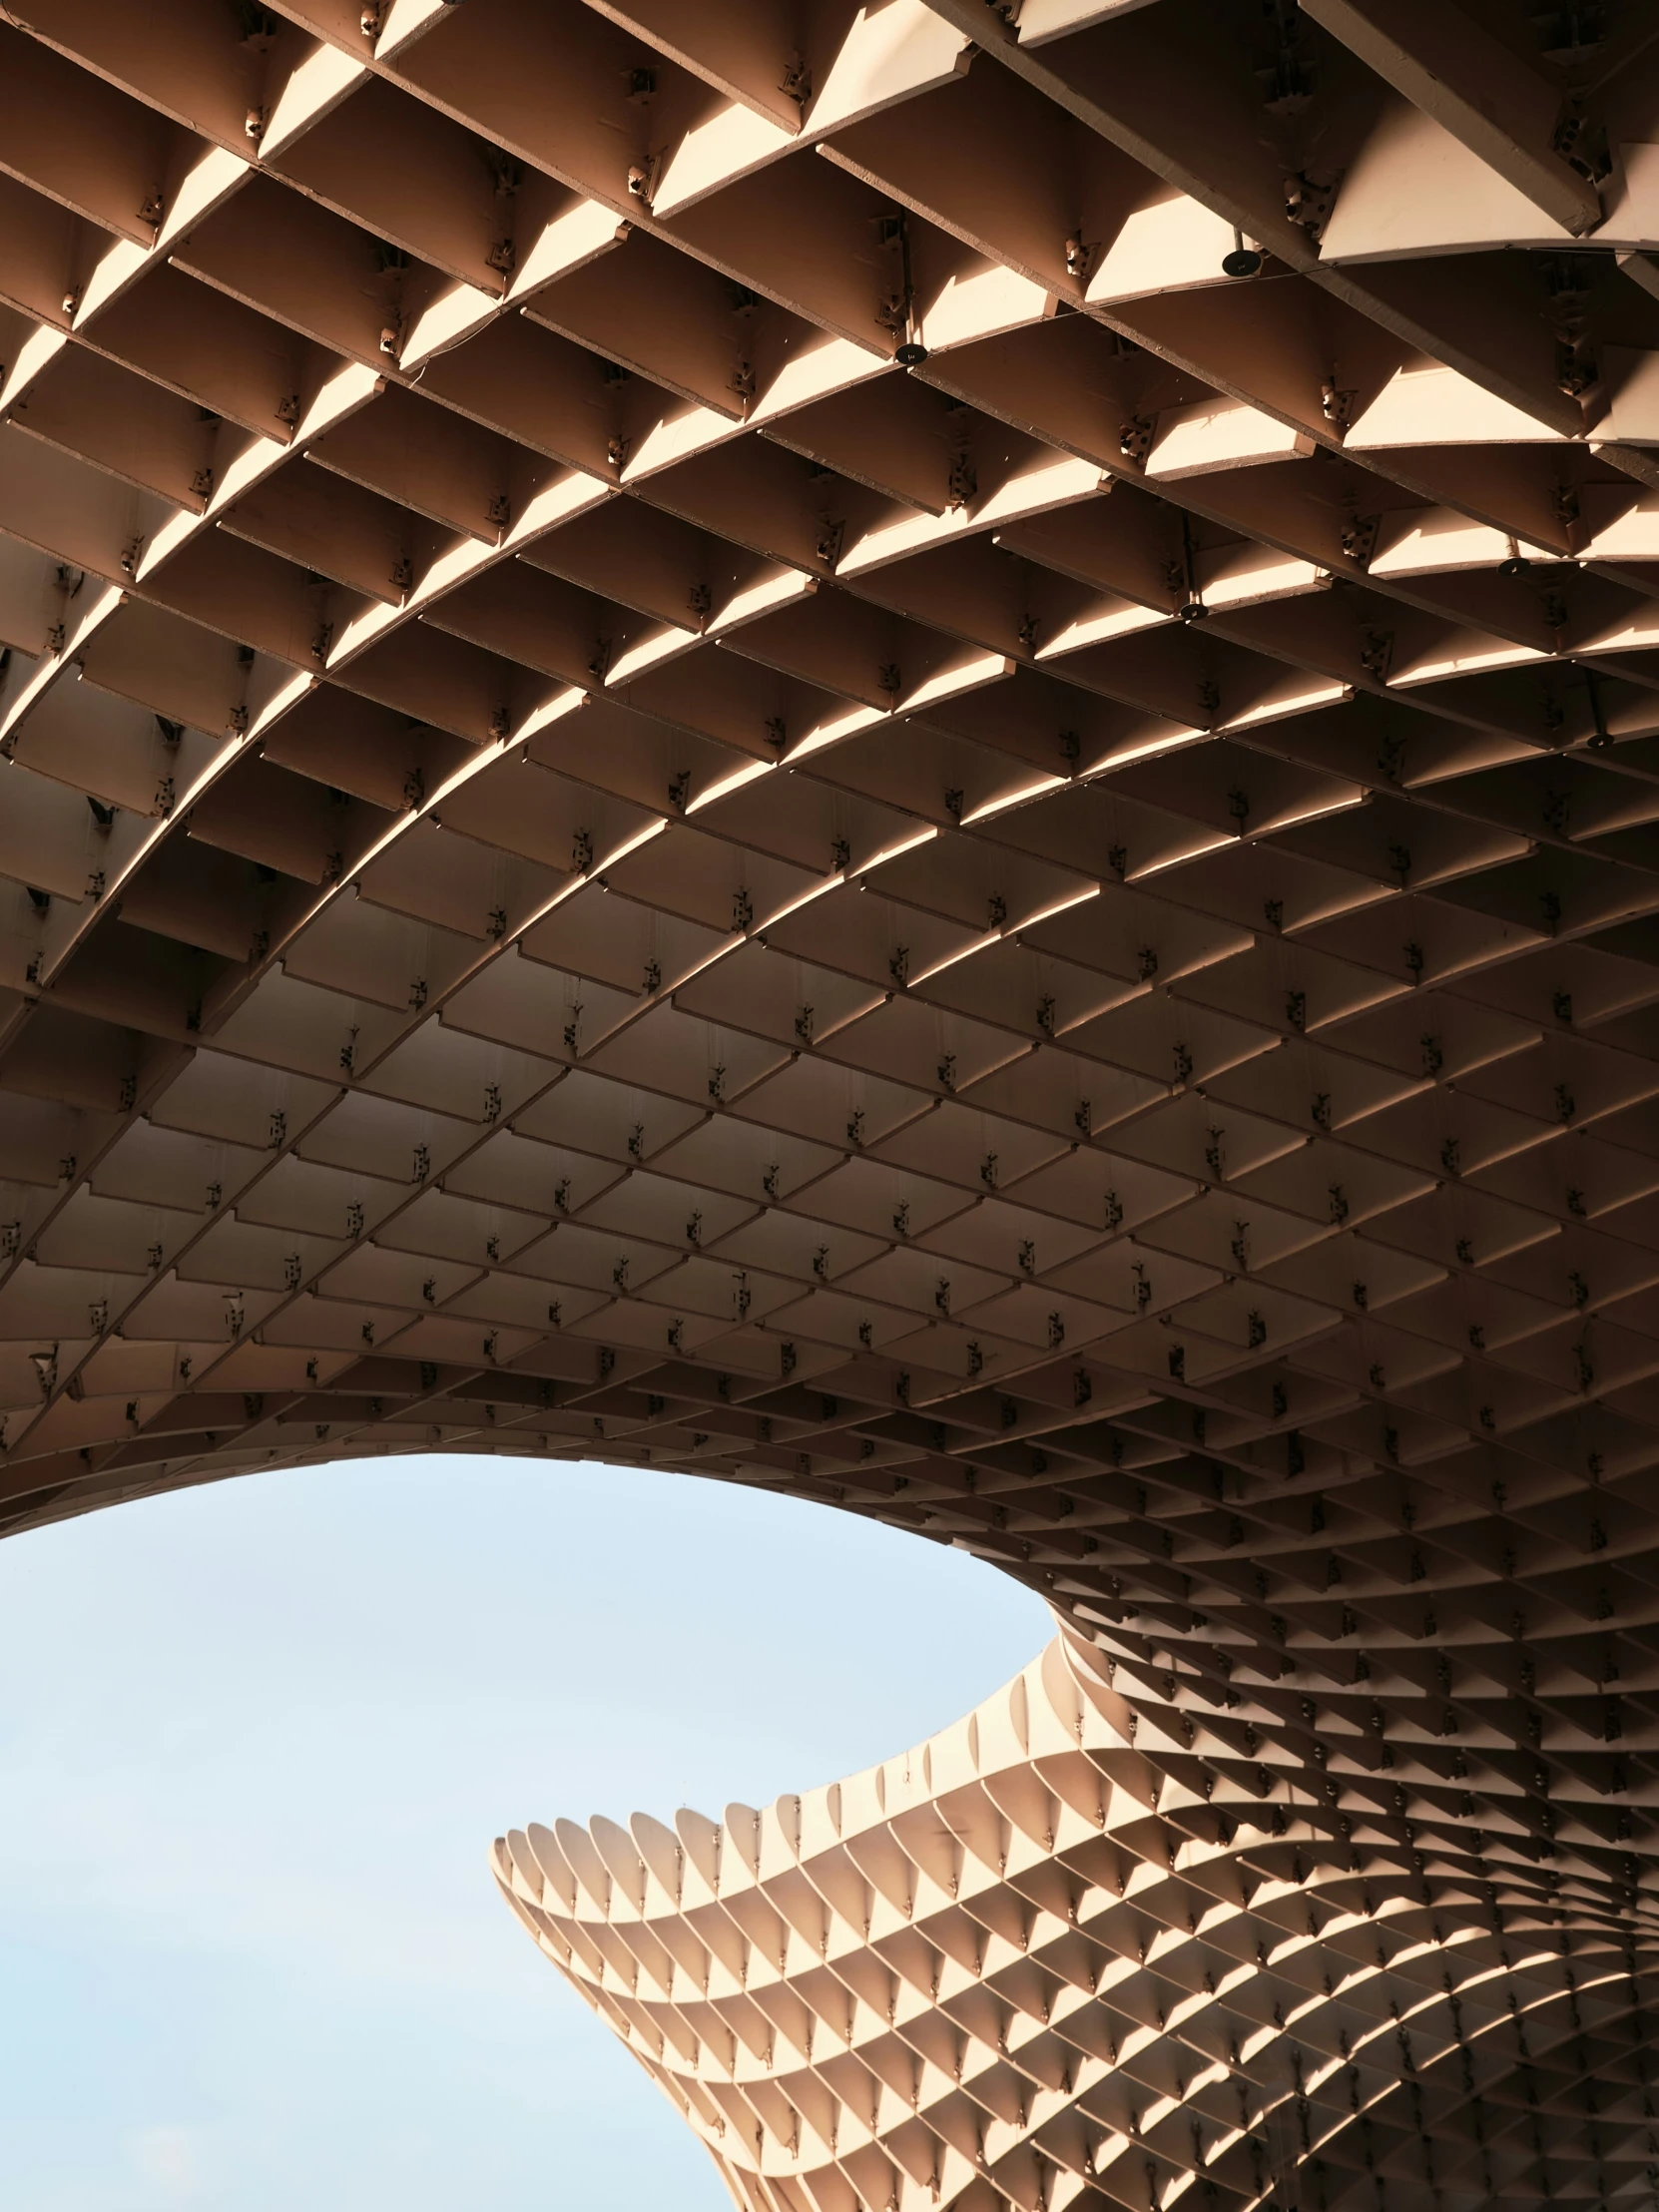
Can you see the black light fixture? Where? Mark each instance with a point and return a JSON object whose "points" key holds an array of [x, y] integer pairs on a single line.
{"points": [[909, 353], [1244, 261], [1194, 609], [1598, 712], [1516, 563]]}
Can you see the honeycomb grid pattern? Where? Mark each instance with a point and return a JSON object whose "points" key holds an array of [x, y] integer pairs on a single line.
{"points": [[905, 752], [1017, 1966]]}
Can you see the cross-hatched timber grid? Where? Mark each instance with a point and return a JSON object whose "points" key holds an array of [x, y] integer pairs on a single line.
{"points": [[909, 752]]}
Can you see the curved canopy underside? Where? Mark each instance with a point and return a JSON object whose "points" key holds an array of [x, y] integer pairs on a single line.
{"points": [[906, 751], [1025, 1965]]}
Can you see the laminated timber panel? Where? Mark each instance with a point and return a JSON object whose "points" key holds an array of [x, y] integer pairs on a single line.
{"points": [[906, 753]]}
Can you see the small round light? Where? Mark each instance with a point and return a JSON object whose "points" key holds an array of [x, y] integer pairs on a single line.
{"points": [[1194, 611], [910, 355], [1516, 565], [1244, 261]]}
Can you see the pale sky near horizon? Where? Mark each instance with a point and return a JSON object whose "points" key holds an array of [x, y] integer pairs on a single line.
{"points": [[255, 1741]]}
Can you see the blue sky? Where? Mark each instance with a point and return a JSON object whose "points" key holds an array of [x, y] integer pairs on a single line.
{"points": [[255, 1741]]}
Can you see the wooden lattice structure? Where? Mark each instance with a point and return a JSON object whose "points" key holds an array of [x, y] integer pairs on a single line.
{"points": [[910, 753]]}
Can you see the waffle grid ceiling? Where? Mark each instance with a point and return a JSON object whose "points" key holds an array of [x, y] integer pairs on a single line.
{"points": [[909, 752]]}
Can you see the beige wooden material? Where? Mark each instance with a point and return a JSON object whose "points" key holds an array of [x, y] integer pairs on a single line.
{"points": [[905, 752], [1089, 1948]]}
